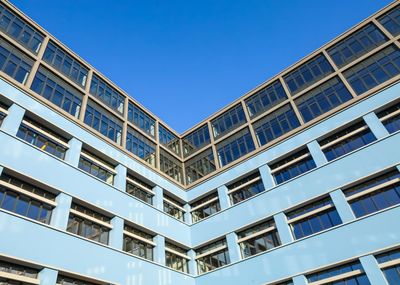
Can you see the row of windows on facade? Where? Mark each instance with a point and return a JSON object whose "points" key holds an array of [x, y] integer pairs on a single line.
{"points": [[373, 194], [365, 75], [333, 146], [353, 272]]}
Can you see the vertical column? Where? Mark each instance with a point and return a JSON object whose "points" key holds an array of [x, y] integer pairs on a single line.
{"points": [[233, 247], [74, 152], [158, 201], [192, 262], [188, 215], [223, 197], [371, 268], [283, 228], [159, 249], [377, 128], [316, 153], [300, 280], [13, 119], [117, 233], [344, 210], [266, 176], [120, 178], [48, 276], [60, 214]]}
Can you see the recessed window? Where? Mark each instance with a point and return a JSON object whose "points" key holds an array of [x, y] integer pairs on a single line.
{"points": [[313, 218], [174, 208], [171, 166], [176, 257], [390, 118], [139, 189], [97, 167], [14, 272], [291, 166], [258, 238], [212, 256], [347, 140], [195, 140], [389, 263], [138, 242], [168, 139], [205, 207], [199, 166], [245, 188], [374, 194], [65, 280]]}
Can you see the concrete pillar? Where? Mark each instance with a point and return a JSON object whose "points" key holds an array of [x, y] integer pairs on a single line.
{"points": [[316, 153], [74, 152], [188, 215], [13, 119], [300, 280], [48, 276], [233, 247], [120, 177], [376, 126], [223, 197], [116, 235], [266, 177], [285, 234], [159, 249], [343, 208], [60, 214], [192, 262], [158, 201], [371, 268]]}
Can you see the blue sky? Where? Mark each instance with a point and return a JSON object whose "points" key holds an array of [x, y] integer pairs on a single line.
{"points": [[185, 60]]}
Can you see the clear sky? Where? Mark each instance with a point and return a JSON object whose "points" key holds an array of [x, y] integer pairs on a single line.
{"points": [[186, 59]]}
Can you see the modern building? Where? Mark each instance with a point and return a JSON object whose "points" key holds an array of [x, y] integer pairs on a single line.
{"points": [[296, 182]]}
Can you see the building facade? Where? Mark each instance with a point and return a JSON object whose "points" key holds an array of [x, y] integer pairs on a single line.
{"points": [[296, 182]]}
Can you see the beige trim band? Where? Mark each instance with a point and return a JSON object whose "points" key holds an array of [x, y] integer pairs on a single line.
{"points": [[290, 163], [88, 156], [337, 277], [90, 218], [389, 263], [177, 253], [373, 189], [27, 193], [211, 251], [388, 116], [144, 188], [174, 204], [57, 140], [316, 211], [20, 278], [139, 238], [244, 185], [204, 204], [352, 133], [269, 229]]}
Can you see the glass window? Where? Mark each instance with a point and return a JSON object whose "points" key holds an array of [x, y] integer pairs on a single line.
{"points": [[292, 166], [171, 166], [176, 257], [322, 99], [14, 63], [23, 204], [195, 140], [205, 207], [374, 70], [390, 118], [313, 218], [169, 140], [107, 94], [374, 194], [207, 262], [140, 119], [19, 30], [103, 122], [3, 112], [141, 146], [391, 272], [307, 74], [80, 225], [391, 21], [199, 166], [258, 238], [43, 138], [235, 147], [62, 61], [16, 269], [64, 280], [265, 99], [228, 121], [275, 125], [139, 189], [138, 242], [347, 140], [97, 167], [335, 272], [245, 188], [356, 45], [174, 208], [57, 91]]}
